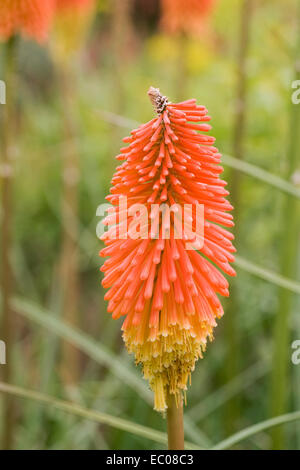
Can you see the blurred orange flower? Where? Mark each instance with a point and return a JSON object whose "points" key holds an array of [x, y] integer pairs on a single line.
{"points": [[29, 17], [167, 291], [186, 16]]}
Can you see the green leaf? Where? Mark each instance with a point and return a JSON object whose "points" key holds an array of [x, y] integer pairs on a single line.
{"points": [[217, 398], [99, 353], [255, 429], [103, 418], [262, 175], [267, 275], [95, 350]]}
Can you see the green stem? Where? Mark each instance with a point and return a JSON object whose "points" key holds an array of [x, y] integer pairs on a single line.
{"points": [[120, 50], [7, 173], [175, 423], [182, 72], [232, 366], [121, 28], [280, 385], [69, 256]]}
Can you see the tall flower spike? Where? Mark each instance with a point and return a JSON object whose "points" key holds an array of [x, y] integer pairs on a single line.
{"points": [[167, 291], [29, 17]]}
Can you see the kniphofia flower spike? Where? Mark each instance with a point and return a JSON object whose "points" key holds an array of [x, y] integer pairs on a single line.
{"points": [[29, 17], [167, 292]]}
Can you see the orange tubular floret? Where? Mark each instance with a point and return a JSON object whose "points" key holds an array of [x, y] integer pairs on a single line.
{"points": [[168, 293]]}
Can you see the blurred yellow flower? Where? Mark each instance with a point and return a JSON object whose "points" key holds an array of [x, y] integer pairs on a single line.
{"points": [[197, 55], [72, 21], [162, 48]]}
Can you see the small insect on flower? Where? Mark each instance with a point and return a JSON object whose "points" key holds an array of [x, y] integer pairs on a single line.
{"points": [[29, 17], [166, 290]]}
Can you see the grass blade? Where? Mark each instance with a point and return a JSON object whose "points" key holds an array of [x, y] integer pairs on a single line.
{"points": [[94, 350], [103, 418], [256, 428], [77, 410], [216, 399], [261, 175], [99, 353], [267, 275]]}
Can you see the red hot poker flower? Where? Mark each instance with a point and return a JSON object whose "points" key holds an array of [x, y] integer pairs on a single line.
{"points": [[29, 17], [166, 291]]}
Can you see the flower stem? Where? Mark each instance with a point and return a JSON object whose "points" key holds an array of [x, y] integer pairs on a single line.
{"points": [[175, 423], [70, 255], [182, 77], [7, 327]]}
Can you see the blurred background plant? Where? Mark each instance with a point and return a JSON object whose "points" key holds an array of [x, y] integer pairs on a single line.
{"points": [[74, 101], [30, 18], [71, 25]]}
